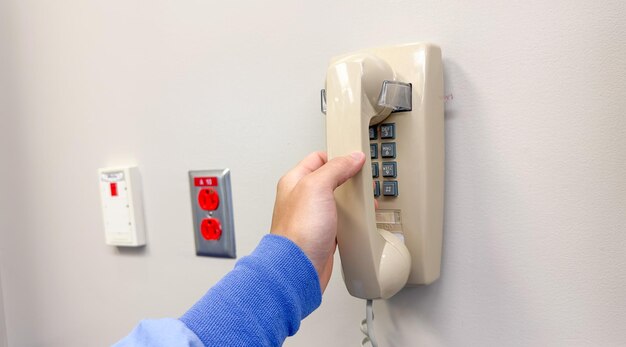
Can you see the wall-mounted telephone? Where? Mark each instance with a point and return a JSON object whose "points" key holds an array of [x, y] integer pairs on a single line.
{"points": [[388, 102]]}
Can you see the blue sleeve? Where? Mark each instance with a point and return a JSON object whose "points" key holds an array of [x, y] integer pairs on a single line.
{"points": [[166, 332], [259, 303]]}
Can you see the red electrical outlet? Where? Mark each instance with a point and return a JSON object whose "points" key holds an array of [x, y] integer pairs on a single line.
{"points": [[208, 199], [211, 229]]}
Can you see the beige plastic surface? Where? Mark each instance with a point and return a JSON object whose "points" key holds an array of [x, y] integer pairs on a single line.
{"points": [[375, 262]]}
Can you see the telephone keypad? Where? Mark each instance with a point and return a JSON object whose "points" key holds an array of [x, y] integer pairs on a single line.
{"points": [[388, 150], [385, 182]]}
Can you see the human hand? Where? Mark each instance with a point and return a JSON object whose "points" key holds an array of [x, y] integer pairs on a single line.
{"points": [[305, 211]]}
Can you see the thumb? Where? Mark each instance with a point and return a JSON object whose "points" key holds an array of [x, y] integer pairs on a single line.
{"points": [[338, 170]]}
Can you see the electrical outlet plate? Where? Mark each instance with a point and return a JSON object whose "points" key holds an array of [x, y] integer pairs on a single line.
{"points": [[212, 208]]}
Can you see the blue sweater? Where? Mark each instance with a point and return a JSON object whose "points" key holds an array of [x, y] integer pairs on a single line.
{"points": [[259, 303]]}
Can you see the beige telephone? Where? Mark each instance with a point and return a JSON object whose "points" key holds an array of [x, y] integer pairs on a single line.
{"points": [[388, 102]]}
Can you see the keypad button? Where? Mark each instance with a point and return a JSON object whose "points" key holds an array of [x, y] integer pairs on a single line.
{"points": [[374, 170], [390, 188], [373, 133], [376, 189], [388, 150], [390, 169], [374, 150], [388, 131]]}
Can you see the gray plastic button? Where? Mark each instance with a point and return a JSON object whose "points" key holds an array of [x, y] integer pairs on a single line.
{"points": [[389, 169], [388, 150], [374, 170], [390, 188], [373, 133], [374, 151], [388, 131], [376, 189]]}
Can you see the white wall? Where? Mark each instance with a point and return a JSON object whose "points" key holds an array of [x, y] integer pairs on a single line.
{"points": [[5, 144], [3, 331], [536, 160]]}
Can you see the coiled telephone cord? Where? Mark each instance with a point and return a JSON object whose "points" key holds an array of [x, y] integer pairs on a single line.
{"points": [[367, 326]]}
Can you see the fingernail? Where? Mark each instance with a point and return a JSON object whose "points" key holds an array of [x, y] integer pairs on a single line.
{"points": [[357, 156]]}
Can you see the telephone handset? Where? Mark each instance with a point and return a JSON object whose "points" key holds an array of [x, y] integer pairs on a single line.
{"points": [[388, 102]]}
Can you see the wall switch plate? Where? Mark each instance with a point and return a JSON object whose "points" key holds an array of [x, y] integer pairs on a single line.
{"points": [[122, 207], [212, 208]]}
